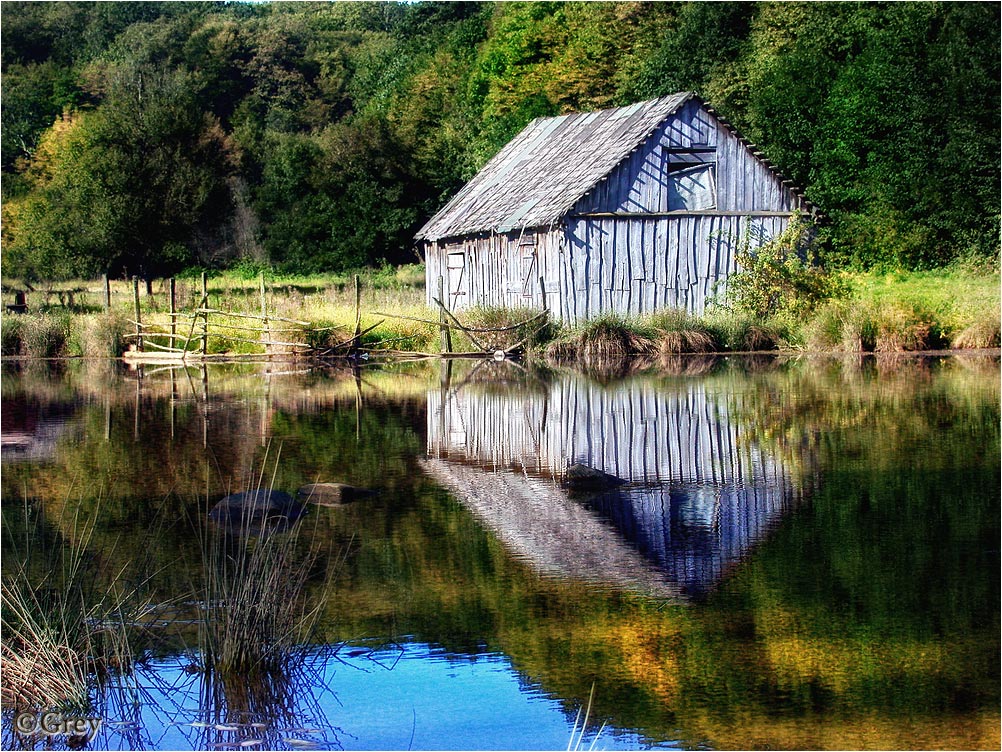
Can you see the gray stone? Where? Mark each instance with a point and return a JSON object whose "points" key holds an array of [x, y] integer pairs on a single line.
{"points": [[255, 507]]}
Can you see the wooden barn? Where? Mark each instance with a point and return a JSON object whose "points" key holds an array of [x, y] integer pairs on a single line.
{"points": [[625, 210]]}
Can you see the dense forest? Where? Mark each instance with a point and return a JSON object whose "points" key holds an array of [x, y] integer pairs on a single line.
{"points": [[150, 137]]}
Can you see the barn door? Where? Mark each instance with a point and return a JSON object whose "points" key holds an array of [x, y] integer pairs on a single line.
{"points": [[530, 263], [455, 278]]}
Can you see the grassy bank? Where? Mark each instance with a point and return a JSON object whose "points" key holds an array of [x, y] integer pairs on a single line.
{"points": [[900, 311]]}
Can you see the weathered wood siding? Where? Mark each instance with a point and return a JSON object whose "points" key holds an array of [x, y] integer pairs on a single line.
{"points": [[638, 265], [700, 494], [634, 264], [743, 182], [496, 269]]}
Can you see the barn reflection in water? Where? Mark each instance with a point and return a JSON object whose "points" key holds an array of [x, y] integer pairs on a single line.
{"points": [[698, 494]]}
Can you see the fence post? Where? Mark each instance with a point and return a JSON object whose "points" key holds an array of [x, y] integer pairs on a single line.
{"points": [[444, 333], [139, 319], [173, 316], [358, 311], [265, 333], [107, 292], [205, 316]]}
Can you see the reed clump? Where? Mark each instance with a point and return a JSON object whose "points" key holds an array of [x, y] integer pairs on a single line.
{"points": [[254, 613], [676, 331], [742, 333], [902, 327], [984, 332], [35, 335], [60, 631], [99, 335], [841, 326], [604, 338]]}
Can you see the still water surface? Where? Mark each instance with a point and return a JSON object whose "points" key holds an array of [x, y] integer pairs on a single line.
{"points": [[803, 553]]}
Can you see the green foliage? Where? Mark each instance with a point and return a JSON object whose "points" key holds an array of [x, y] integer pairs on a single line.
{"points": [[319, 137], [779, 277], [132, 187]]}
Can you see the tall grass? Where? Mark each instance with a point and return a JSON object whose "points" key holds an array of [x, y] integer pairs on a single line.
{"points": [[500, 328], [60, 630], [676, 331], [255, 614], [604, 338], [36, 335], [955, 307]]}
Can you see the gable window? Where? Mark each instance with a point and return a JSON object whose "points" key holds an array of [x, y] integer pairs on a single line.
{"points": [[691, 178]]}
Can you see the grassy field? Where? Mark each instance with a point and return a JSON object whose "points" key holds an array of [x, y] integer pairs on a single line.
{"points": [[952, 308]]}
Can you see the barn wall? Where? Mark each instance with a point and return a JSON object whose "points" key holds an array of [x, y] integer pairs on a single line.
{"points": [[632, 266], [635, 264], [496, 269], [743, 182]]}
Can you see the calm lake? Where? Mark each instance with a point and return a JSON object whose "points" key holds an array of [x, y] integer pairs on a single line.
{"points": [[802, 553]]}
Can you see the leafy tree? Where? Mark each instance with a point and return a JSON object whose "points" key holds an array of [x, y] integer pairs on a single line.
{"points": [[340, 127], [34, 95], [698, 50], [136, 186]]}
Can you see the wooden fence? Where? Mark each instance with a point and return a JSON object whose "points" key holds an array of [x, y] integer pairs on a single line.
{"points": [[189, 332]]}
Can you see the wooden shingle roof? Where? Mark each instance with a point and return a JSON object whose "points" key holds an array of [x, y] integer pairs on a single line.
{"points": [[548, 167]]}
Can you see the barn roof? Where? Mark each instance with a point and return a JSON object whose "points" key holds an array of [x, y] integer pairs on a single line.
{"points": [[548, 167]]}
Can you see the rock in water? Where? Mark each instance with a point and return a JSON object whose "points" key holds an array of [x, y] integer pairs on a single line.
{"points": [[580, 477], [256, 506], [332, 494]]}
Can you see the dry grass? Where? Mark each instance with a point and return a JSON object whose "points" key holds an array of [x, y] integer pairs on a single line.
{"points": [[59, 629], [676, 331], [43, 663], [601, 339], [982, 333], [901, 327]]}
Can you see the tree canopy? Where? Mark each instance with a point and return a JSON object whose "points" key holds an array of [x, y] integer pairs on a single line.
{"points": [[145, 137]]}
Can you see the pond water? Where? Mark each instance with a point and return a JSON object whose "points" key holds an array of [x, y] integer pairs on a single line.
{"points": [[797, 553]]}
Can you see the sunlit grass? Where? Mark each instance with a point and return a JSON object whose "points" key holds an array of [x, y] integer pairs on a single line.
{"points": [[956, 307], [953, 298]]}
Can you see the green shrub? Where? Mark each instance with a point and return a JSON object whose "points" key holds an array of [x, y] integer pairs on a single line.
{"points": [[781, 277]]}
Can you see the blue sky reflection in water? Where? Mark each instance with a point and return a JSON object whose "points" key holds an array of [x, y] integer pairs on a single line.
{"points": [[804, 553], [411, 696]]}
